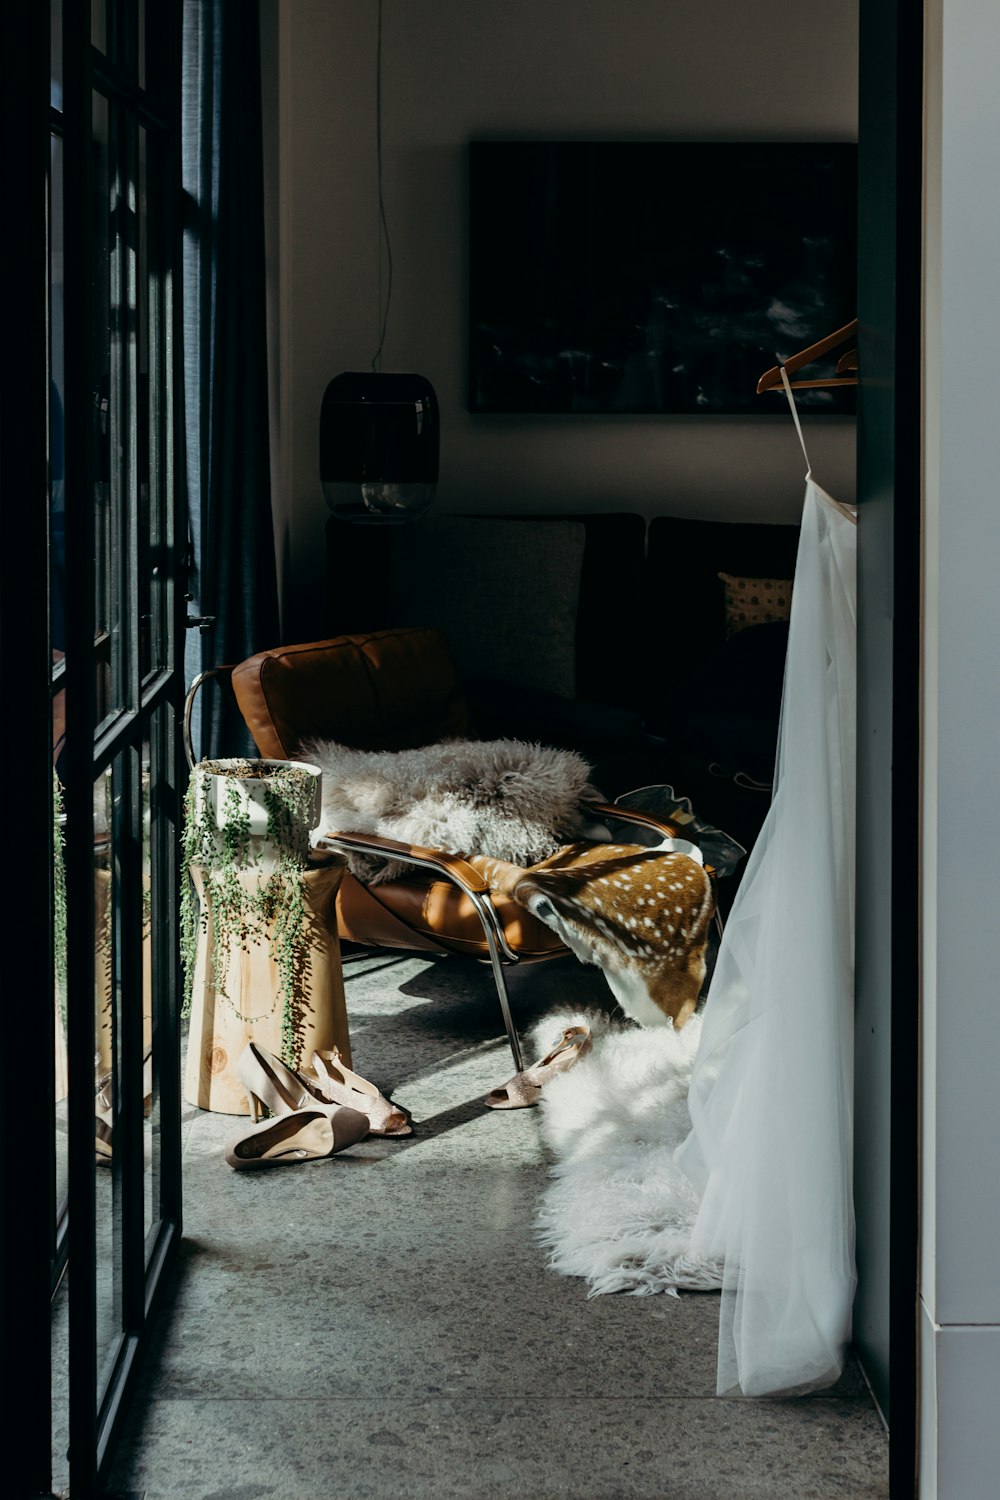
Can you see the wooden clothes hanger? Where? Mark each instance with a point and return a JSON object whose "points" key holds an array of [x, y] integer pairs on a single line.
{"points": [[771, 379], [777, 379]]}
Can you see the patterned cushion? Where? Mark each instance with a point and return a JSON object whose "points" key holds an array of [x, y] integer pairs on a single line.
{"points": [[755, 601]]}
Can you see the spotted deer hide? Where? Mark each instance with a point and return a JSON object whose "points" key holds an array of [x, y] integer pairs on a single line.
{"points": [[640, 914]]}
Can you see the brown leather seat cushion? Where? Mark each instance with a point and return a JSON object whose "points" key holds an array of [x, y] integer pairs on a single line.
{"points": [[434, 916], [384, 690], [380, 690]]}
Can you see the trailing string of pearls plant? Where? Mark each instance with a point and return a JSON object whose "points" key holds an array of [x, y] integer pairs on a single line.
{"points": [[224, 839]]}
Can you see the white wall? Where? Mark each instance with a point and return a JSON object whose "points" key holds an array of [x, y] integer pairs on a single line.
{"points": [[960, 1135], [455, 69]]}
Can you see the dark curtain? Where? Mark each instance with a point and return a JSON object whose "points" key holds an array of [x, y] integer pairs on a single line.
{"points": [[233, 576]]}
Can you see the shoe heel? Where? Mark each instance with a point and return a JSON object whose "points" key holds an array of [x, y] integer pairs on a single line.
{"points": [[254, 1103]]}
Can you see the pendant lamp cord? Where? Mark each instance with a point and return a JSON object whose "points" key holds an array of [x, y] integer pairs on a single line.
{"points": [[383, 227]]}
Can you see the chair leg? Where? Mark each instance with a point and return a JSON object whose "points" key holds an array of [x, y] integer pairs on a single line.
{"points": [[487, 918], [508, 1020]]}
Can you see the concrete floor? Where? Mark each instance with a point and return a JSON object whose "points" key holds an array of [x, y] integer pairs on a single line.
{"points": [[381, 1325]]}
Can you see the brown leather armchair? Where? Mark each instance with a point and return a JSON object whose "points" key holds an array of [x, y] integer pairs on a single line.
{"points": [[392, 690]]}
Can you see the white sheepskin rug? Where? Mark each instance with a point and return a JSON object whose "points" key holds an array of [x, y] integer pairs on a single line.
{"points": [[514, 801], [618, 1212]]}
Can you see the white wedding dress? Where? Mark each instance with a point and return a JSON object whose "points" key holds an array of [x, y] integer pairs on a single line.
{"points": [[770, 1149]]}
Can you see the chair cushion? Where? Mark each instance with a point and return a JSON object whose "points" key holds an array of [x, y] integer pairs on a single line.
{"points": [[383, 690], [435, 916], [755, 601]]}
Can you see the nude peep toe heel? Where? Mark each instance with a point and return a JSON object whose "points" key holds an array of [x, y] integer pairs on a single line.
{"points": [[525, 1088], [337, 1082]]}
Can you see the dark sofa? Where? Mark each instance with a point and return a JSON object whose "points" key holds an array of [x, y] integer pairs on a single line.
{"points": [[597, 632]]}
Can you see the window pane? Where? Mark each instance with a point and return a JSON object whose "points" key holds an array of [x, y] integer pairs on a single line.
{"points": [[110, 388], [107, 1004], [55, 53], [99, 24], [152, 436], [159, 937], [150, 1062], [146, 437], [60, 1389], [57, 481], [57, 630], [59, 943]]}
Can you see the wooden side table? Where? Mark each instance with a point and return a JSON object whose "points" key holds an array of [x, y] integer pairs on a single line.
{"points": [[252, 1009]]}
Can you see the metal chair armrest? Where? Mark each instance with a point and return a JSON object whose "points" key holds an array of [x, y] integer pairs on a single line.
{"points": [[640, 819], [643, 820], [190, 696], [451, 866]]}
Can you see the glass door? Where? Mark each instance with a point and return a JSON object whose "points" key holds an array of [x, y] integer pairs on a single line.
{"points": [[91, 633]]}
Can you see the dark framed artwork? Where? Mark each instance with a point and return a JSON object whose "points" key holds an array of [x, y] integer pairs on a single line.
{"points": [[655, 276]]}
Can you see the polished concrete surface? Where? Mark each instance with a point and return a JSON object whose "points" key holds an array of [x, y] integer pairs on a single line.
{"points": [[382, 1323]]}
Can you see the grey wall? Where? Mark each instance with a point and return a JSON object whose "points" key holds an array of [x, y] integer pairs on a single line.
{"points": [[960, 1137], [454, 69]]}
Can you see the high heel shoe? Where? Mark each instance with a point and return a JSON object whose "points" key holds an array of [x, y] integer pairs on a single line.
{"points": [[103, 1116], [104, 1108], [301, 1135], [336, 1081], [525, 1088], [270, 1082]]}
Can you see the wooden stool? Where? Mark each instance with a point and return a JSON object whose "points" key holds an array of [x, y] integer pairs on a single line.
{"points": [[221, 1025]]}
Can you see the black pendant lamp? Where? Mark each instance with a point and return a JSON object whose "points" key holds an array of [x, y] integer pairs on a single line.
{"points": [[378, 446], [378, 434]]}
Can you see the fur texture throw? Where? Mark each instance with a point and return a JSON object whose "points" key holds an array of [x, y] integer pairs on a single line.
{"points": [[618, 1211], [514, 801]]}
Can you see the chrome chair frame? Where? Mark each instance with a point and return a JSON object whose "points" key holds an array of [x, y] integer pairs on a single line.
{"points": [[501, 955]]}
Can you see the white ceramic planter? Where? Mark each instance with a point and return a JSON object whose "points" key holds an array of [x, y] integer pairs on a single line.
{"points": [[214, 780]]}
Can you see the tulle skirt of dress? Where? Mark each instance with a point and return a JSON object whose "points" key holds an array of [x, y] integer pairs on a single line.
{"points": [[770, 1149]]}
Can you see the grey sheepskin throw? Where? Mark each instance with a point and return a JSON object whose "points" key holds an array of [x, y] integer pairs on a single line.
{"points": [[514, 801]]}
